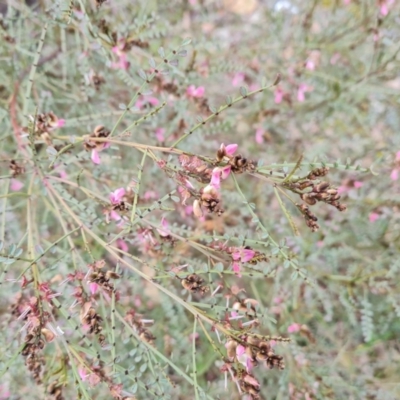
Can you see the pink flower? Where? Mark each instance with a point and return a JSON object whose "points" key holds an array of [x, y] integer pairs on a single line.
{"points": [[160, 134], [216, 178], [141, 102], [60, 123], [165, 231], [219, 173], [358, 184], [238, 79], [384, 6], [236, 268], [16, 185], [93, 286], [122, 62], [278, 95], [4, 393], [114, 215], [95, 156], [230, 149], [150, 194], [122, 245], [95, 152], [192, 91], [302, 89], [294, 328], [82, 373], [310, 65], [373, 217], [335, 58], [394, 175], [243, 255], [117, 195], [259, 135], [243, 357]]}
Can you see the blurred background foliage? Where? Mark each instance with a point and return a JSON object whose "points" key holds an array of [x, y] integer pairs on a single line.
{"points": [[337, 102]]}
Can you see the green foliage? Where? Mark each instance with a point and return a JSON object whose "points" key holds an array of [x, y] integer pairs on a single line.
{"points": [[131, 268]]}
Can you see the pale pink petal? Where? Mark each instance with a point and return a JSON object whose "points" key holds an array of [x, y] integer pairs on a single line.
{"points": [[398, 156], [114, 215], [335, 58], [199, 91], [122, 245], [93, 286], [238, 79], [160, 134], [150, 194], [82, 373], [225, 171], [384, 8], [192, 91], [188, 184], [165, 231], [247, 255], [373, 217], [230, 149], [16, 185], [236, 268], [153, 101], [394, 175], [293, 328], [106, 145], [216, 178], [95, 157], [117, 195], [236, 255], [259, 135], [358, 184], [240, 349], [278, 95], [60, 123], [310, 65]]}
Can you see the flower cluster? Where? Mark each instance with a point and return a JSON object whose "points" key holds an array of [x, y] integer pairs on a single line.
{"points": [[94, 146], [136, 321], [44, 124], [101, 278], [194, 283], [246, 353], [312, 190]]}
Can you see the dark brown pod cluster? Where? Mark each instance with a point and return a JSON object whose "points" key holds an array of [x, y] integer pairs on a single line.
{"points": [[318, 173], [323, 192], [194, 283], [33, 360], [55, 390], [102, 278], [44, 124], [99, 132], [240, 164], [248, 384], [209, 200], [90, 317], [16, 169], [310, 218], [139, 323], [256, 350], [196, 168]]}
